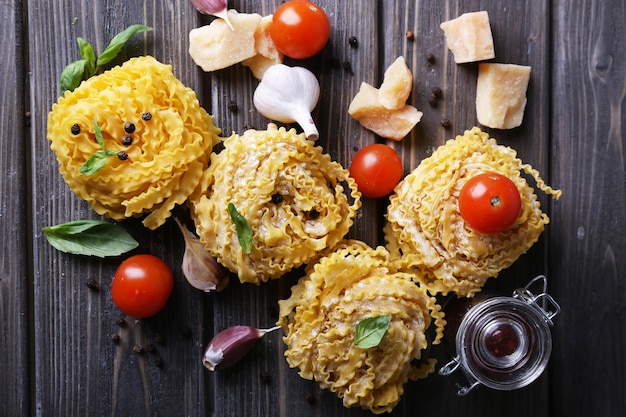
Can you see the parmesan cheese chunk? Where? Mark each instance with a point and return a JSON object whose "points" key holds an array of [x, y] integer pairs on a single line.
{"points": [[367, 109], [217, 46], [267, 54], [397, 85], [469, 37], [501, 94]]}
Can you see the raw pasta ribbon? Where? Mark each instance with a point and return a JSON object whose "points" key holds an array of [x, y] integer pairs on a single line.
{"points": [[425, 230], [156, 122], [296, 200], [347, 285]]}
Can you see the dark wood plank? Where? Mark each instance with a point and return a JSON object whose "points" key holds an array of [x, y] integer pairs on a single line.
{"points": [[517, 30], [521, 32], [587, 241], [240, 391], [78, 370], [14, 232]]}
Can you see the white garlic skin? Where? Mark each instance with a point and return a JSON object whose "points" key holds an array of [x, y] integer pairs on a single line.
{"points": [[289, 94], [200, 269]]}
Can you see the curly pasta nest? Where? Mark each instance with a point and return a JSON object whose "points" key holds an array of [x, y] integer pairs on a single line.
{"points": [[171, 141], [296, 200], [425, 230], [347, 285]]}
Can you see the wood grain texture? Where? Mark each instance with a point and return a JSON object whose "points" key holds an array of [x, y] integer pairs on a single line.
{"points": [[78, 369], [56, 356], [588, 242], [14, 276]]}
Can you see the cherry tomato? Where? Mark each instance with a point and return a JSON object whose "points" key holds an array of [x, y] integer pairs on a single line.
{"points": [[142, 285], [299, 29], [490, 203], [377, 169]]}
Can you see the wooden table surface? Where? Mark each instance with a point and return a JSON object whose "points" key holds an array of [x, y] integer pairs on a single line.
{"points": [[56, 356]]}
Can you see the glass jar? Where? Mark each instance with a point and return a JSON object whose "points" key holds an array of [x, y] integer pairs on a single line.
{"points": [[503, 343]]}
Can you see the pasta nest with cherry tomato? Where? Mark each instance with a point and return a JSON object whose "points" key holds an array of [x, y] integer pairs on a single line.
{"points": [[349, 284], [143, 111], [426, 232], [296, 200]]}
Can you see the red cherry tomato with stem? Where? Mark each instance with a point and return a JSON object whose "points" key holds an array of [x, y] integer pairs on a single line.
{"points": [[142, 285], [299, 29], [490, 203], [377, 169]]}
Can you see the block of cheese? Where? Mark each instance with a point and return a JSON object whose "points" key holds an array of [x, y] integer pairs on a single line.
{"points": [[267, 54], [469, 37], [397, 84], [501, 94], [367, 109], [217, 46]]}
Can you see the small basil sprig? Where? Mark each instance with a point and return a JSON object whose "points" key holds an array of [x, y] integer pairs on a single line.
{"points": [[90, 237], [99, 158], [370, 331], [242, 227], [89, 65]]}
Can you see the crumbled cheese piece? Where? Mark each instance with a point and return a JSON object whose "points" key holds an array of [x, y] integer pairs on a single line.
{"points": [[469, 37], [501, 94]]}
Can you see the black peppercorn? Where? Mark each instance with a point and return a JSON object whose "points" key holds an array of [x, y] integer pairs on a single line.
{"points": [[122, 155], [186, 333], [233, 107], [127, 140], [445, 123], [121, 322], [115, 338], [410, 35], [146, 116], [430, 58], [432, 101], [129, 127], [93, 285], [347, 66], [75, 129], [353, 41], [265, 377], [138, 349], [436, 91], [158, 361], [277, 198]]}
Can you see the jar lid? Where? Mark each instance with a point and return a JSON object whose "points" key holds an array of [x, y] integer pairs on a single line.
{"points": [[503, 343]]}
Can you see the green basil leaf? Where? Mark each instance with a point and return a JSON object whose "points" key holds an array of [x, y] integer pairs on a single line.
{"points": [[91, 238], [242, 227], [96, 161], [370, 331], [117, 43], [98, 133], [72, 75], [89, 55]]}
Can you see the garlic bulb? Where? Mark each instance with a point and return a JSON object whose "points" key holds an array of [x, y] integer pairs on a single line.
{"points": [[218, 8], [230, 345], [289, 94], [199, 267]]}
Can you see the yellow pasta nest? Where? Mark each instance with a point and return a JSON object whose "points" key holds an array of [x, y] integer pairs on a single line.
{"points": [[296, 200], [425, 230], [352, 283], [171, 141]]}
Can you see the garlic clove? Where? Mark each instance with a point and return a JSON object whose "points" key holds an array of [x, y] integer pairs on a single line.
{"points": [[230, 345], [218, 8], [200, 269], [289, 94]]}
